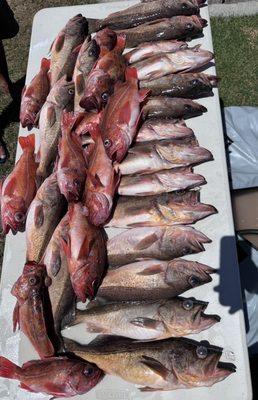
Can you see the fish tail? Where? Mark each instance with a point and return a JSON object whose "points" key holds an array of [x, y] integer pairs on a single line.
{"points": [[45, 64], [8, 369], [92, 24], [27, 142]]}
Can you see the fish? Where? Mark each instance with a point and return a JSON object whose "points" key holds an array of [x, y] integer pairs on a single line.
{"points": [[60, 98], [161, 242], [153, 279], [19, 188], [85, 250], [162, 155], [71, 165], [159, 129], [148, 320], [146, 50], [171, 107], [159, 182], [166, 209], [140, 13], [121, 117], [101, 183], [106, 39], [65, 48], [179, 27], [56, 376], [189, 85], [34, 96], [167, 364], [88, 55], [185, 60], [44, 215], [61, 294], [99, 84], [87, 124], [32, 312]]}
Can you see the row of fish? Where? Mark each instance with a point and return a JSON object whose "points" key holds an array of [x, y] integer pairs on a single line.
{"points": [[111, 127]]}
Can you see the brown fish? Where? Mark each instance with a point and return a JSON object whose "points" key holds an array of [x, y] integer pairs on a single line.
{"points": [[179, 27], [31, 310], [44, 214], [161, 242], [156, 156], [159, 129], [148, 320], [65, 48], [61, 294], [153, 279], [160, 182], [168, 364], [190, 85], [60, 98], [146, 50], [106, 39], [167, 107], [56, 376], [166, 209], [140, 13], [184, 60]]}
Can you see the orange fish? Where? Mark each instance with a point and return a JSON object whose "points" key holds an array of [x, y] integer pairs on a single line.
{"points": [[86, 252], [34, 96], [19, 188], [71, 167], [101, 183]]}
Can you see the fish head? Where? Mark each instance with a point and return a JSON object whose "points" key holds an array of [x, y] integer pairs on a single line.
{"points": [[187, 7], [99, 87], [13, 214], [76, 26], [187, 273], [85, 280], [70, 184], [62, 93], [33, 279], [116, 144], [29, 114], [84, 376], [106, 39], [197, 364], [99, 208], [193, 24], [199, 84], [192, 108], [87, 124], [91, 52]]}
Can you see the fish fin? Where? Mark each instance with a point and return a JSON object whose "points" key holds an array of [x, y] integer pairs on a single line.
{"points": [[25, 387], [86, 246], [146, 242], [155, 366], [77, 49], [143, 93], [94, 328], [66, 245], [51, 115], [95, 180], [27, 142], [45, 64], [16, 317], [153, 270], [39, 216], [59, 43], [149, 389], [148, 323], [10, 186], [120, 43], [79, 84], [8, 369], [131, 73], [68, 120]]}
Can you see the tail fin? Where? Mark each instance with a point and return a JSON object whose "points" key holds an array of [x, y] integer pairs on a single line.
{"points": [[27, 142], [45, 64], [8, 369]]}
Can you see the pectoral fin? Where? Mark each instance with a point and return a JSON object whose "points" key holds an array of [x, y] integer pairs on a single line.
{"points": [[148, 323], [153, 270], [147, 242], [39, 216], [155, 366]]}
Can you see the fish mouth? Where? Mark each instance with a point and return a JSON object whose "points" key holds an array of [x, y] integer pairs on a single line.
{"points": [[203, 22], [90, 103], [225, 369]]}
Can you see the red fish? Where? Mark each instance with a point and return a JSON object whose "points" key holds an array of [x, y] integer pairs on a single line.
{"points": [[34, 96], [19, 188], [71, 167], [100, 83], [31, 291], [86, 253], [106, 39], [101, 183], [56, 376], [121, 116], [86, 125]]}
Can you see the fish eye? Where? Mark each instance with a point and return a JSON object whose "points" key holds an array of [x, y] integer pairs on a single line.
{"points": [[184, 6], [107, 143], [19, 217], [71, 91], [187, 107], [194, 281], [104, 96], [188, 304], [32, 280], [189, 26], [76, 182], [194, 82], [88, 371], [201, 352]]}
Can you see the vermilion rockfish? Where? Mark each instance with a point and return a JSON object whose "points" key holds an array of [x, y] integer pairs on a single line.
{"points": [[19, 188]]}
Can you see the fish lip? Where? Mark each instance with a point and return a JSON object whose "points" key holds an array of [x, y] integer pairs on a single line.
{"points": [[90, 103], [214, 318], [230, 367], [203, 22]]}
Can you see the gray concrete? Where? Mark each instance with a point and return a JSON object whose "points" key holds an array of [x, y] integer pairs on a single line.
{"points": [[233, 9]]}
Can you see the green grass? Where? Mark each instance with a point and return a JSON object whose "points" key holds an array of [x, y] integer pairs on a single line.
{"points": [[234, 43]]}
